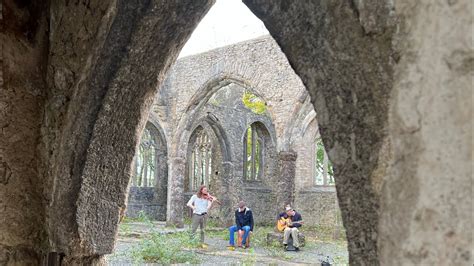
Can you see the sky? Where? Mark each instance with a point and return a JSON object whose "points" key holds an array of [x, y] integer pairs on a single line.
{"points": [[228, 21]]}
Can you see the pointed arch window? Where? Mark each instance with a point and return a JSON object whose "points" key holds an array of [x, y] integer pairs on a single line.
{"points": [[201, 161], [323, 170], [253, 154], [145, 160]]}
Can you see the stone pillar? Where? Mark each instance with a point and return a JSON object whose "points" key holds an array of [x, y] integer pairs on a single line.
{"points": [[175, 203], [23, 53], [286, 182], [229, 189]]}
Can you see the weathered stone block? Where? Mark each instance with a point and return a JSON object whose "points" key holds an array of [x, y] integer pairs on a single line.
{"points": [[276, 239]]}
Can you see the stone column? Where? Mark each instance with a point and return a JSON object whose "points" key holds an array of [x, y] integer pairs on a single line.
{"points": [[175, 202], [286, 182], [229, 189], [23, 53]]}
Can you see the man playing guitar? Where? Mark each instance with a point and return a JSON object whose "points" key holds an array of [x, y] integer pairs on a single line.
{"points": [[290, 221]]}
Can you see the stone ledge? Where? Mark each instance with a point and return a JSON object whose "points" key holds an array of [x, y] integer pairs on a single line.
{"points": [[276, 238], [318, 189]]}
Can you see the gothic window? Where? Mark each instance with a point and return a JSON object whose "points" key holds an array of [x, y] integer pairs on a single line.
{"points": [[200, 166], [323, 171], [253, 154], [145, 161]]}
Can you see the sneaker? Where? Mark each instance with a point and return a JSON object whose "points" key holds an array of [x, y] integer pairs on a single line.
{"points": [[231, 247], [297, 249], [244, 247], [203, 245]]}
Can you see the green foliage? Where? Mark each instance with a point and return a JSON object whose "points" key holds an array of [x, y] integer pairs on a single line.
{"points": [[218, 233], [320, 161], [254, 103], [125, 228], [259, 235], [142, 217], [213, 223], [250, 258], [166, 249], [253, 161], [187, 221], [145, 160]]}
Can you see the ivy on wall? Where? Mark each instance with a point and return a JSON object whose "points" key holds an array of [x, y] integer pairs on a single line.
{"points": [[254, 103]]}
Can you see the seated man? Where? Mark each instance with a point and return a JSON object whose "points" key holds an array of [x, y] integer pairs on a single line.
{"points": [[292, 226], [243, 223]]}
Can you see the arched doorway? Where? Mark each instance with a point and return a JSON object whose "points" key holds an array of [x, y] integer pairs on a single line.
{"points": [[148, 190]]}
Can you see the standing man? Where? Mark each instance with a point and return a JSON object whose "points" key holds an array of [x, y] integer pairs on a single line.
{"points": [[200, 204], [292, 226], [243, 224]]}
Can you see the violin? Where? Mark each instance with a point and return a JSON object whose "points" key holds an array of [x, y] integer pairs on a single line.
{"points": [[211, 198]]}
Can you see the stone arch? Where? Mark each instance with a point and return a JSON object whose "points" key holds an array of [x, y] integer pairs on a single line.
{"points": [[218, 183], [356, 61], [262, 194], [202, 95], [196, 117], [267, 134]]}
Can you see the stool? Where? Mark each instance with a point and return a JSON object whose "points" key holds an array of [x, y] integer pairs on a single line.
{"points": [[239, 239]]}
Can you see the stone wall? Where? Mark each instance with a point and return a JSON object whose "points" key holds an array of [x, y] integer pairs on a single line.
{"points": [[209, 86], [391, 82], [318, 206], [411, 162], [145, 200]]}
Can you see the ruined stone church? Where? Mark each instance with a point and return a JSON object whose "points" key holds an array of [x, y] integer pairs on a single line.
{"points": [[91, 92], [240, 121]]}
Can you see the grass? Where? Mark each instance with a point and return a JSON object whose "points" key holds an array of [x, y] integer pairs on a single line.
{"points": [[178, 247], [141, 218], [324, 233], [166, 249], [250, 259], [125, 229]]}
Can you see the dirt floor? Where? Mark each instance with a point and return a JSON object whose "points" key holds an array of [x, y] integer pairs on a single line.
{"points": [[132, 236]]}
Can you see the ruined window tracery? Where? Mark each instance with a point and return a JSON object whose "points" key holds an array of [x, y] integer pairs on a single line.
{"points": [[145, 161], [323, 170], [253, 154], [200, 161]]}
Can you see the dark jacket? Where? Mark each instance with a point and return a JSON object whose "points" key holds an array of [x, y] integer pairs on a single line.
{"points": [[244, 218], [295, 218]]}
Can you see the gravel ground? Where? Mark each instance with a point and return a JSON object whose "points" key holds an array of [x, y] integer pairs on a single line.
{"points": [[217, 253]]}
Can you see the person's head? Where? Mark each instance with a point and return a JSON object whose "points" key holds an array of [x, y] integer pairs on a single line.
{"points": [[241, 204], [202, 190], [289, 210]]}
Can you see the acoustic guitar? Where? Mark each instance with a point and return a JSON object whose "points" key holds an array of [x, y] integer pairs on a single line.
{"points": [[283, 223]]}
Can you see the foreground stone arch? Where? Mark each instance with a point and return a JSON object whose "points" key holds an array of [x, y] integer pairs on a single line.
{"points": [[380, 85]]}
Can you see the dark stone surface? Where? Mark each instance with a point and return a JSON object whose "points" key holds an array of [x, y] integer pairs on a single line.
{"points": [[23, 62], [349, 75], [276, 239], [68, 130], [148, 201]]}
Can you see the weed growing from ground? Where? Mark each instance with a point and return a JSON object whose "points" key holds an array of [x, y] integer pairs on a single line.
{"points": [[166, 249]]}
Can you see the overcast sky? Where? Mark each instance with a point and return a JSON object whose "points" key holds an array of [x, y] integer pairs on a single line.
{"points": [[228, 21]]}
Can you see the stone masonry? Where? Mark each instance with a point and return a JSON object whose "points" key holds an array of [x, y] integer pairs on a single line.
{"points": [[390, 82]]}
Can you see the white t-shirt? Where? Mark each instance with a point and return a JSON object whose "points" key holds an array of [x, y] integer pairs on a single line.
{"points": [[200, 205]]}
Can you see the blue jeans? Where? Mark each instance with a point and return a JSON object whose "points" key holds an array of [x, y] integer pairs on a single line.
{"points": [[234, 229]]}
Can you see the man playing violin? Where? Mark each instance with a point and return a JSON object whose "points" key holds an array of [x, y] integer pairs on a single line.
{"points": [[200, 204], [292, 227]]}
